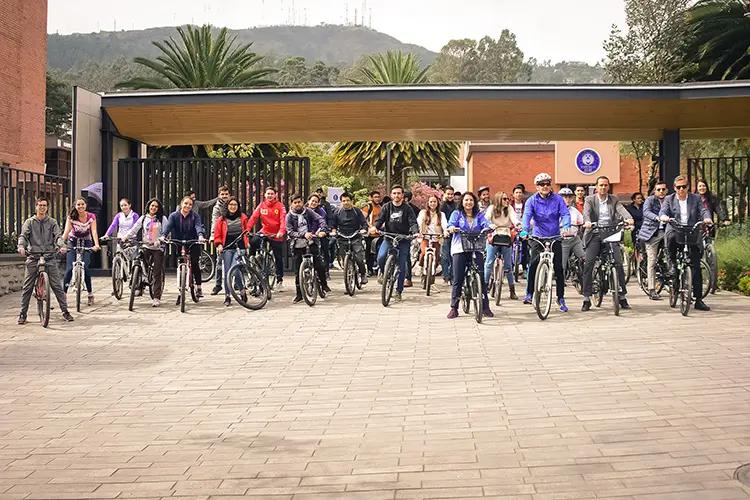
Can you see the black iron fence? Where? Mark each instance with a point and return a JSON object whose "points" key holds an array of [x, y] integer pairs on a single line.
{"points": [[169, 180], [19, 190], [728, 178]]}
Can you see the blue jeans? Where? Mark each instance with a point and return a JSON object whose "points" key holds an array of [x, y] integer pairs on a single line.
{"points": [[228, 259], [71, 258], [446, 262], [492, 253], [403, 260]]}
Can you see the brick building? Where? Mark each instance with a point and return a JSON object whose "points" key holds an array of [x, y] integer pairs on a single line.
{"points": [[23, 52], [503, 165]]}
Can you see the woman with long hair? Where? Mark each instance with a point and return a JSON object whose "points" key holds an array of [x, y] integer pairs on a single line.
{"points": [[80, 228], [432, 222], [151, 226], [229, 227], [502, 215], [467, 218], [711, 202]]}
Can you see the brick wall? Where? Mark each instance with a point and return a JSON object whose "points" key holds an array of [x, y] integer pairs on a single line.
{"points": [[23, 52]]}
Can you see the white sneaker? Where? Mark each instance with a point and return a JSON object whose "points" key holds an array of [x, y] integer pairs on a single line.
{"points": [[279, 288], [155, 303]]}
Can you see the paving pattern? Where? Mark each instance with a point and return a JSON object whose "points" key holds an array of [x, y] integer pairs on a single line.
{"points": [[350, 400]]}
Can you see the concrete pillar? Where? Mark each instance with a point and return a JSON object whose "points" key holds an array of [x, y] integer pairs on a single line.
{"points": [[669, 152]]}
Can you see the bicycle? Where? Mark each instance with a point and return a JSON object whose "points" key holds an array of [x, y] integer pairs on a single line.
{"points": [[185, 271], [245, 279], [472, 290], [141, 276], [122, 262], [685, 235], [626, 261], [605, 272], [429, 262], [517, 266], [542, 299], [42, 289], [497, 277], [79, 271], [712, 261], [391, 272], [308, 278], [574, 270], [352, 281], [266, 261], [662, 272], [207, 265]]}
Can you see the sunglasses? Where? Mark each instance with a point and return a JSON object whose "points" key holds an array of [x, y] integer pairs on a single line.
{"points": [[505, 199], [545, 184], [682, 186], [661, 189]]}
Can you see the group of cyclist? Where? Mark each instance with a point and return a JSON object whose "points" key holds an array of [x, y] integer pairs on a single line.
{"points": [[573, 222]]}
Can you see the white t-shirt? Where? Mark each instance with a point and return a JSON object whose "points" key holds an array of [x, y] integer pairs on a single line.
{"points": [[683, 211]]}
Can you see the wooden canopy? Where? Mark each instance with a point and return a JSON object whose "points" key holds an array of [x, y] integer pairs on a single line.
{"points": [[420, 113]]}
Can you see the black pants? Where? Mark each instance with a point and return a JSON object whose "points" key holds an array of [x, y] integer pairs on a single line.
{"points": [[371, 254], [535, 248], [277, 247], [460, 265], [695, 264], [320, 267], [594, 250]]}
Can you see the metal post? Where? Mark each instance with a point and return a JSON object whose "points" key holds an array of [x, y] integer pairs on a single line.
{"points": [[669, 150], [388, 167]]}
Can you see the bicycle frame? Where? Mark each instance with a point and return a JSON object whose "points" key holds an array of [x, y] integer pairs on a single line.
{"points": [[683, 263]]}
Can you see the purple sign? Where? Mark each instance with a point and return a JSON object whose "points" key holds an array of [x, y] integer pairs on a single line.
{"points": [[588, 161]]}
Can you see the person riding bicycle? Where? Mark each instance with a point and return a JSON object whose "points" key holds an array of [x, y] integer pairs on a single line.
{"points": [[372, 243], [151, 226], [636, 212], [407, 199], [571, 242], [396, 217], [652, 235], [519, 204], [447, 208], [80, 228], [547, 210], [349, 220], [314, 203], [186, 224], [216, 212], [40, 234], [230, 225], [687, 209], [502, 215], [272, 215], [467, 218], [603, 209], [305, 225], [712, 203], [124, 221]]}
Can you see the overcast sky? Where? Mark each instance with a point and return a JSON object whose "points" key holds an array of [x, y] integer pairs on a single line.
{"points": [[546, 29]]}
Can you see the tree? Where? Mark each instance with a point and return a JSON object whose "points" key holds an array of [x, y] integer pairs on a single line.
{"points": [[202, 61], [59, 107], [370, 158], [294, 72], [717, 45], [458, 62]]}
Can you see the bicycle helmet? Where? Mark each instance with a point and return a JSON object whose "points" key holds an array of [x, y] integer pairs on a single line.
{"points": [[566, 192], [542, 177]]}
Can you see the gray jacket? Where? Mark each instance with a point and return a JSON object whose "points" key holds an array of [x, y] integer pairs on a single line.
{"points": [[42, 236], [591, 212], [696, 210], [217, 212]]}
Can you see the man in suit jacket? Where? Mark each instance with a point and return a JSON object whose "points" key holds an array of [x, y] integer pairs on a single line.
{"points": [[605, 210], [652, 234], [687, 209]]}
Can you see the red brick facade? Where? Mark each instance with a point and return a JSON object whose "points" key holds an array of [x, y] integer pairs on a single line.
{"points": [[23, 52]]}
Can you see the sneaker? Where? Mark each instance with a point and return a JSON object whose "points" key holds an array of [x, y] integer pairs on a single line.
{"points": [[326, 288], [398, 297], [488, 314], [199, 293], [563, 307], [407, 284], [586, 305], [322, 292], [624, 304], [527, 299], [216, 290], [67, 317], [363, 280], [380, 278], [155, 303], [453, 314], [654, 296], [279, 288], [227, 301], [701, 306], [297, 299], [21, 319], [91, 299]]}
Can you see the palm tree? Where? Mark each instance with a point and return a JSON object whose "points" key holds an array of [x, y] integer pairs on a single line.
{"points": [[370, 158], [202, 61], [717, 46]]}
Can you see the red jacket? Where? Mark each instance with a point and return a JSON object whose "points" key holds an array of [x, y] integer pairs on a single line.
{"points": [[272, 217], [220, 232]]}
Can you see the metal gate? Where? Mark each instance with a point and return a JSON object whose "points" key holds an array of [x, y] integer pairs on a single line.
{"points": [[728, 178], [169, 180]]}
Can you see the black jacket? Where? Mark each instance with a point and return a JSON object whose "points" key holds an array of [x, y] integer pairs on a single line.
{"points": [[348, 222], [397, 219]]}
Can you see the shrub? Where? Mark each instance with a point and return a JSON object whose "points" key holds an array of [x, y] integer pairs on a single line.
{"points": [[744, 284], [734, 261], [8, 243]]}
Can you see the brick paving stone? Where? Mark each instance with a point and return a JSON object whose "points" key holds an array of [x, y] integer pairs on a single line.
{"points": [[350, 400]]}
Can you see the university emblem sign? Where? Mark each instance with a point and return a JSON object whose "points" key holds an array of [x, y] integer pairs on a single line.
{"points": [[588, 161]]}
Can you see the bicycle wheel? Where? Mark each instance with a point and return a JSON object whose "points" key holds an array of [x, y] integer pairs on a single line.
{"points": [[429, 276], [542, 292], [247, 286], [686, 290], [706, 277], [117, 276], [641, 272], [43, 298], [517, 262], [207, 265], [350, 275], [466, 296], [308, 282], [713, 266], [268, 265], [626, 264], [135, 284], [498, 276], [614, 286], [389, 280], [600, 286], [476, 292], [578, 277], [78, 280], [183, 286]]}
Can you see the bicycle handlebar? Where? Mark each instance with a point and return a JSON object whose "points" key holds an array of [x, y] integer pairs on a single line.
{"points": [[676, 223], [358, 234], [595, 226], [396, 236], [183, 242]]}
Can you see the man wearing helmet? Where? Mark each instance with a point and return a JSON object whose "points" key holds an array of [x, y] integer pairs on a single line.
{"points": [[547, 210], [571, 239]]}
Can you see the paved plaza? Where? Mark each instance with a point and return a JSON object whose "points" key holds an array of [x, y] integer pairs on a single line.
{"points": [[350, 400]]}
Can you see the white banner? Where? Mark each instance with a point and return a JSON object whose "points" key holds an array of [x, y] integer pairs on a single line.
{"points": [[334, 196]]}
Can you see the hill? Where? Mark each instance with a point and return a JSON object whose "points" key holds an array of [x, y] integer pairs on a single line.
{"points": [[334, 45]]}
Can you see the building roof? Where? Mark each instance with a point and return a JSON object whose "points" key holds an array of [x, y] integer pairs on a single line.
{"points": [[428, 112]]}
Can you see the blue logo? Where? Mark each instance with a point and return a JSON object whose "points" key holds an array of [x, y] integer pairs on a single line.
{"points": [[588, 161]]}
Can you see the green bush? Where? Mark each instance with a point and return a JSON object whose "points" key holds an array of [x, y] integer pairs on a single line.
{"points": [[8, 243], [744, 284], [734, 261]]}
